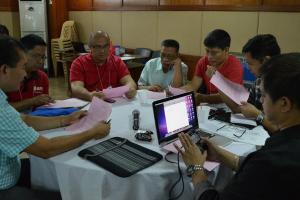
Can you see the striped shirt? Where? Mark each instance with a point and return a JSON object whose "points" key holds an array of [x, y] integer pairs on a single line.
{"points": [[15, 136]]}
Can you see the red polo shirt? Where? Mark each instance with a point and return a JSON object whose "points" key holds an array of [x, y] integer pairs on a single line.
{"points": [[34, 87], [96, 77], [231, 69]]}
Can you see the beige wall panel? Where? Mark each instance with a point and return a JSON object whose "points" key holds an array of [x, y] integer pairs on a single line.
{"points": [[84, 23], [16, 25], [240, 25], [185, 27], [139, 29], [12, 21], [109, 22], [284, 26]]}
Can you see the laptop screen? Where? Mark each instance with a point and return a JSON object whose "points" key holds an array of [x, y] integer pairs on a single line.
{"points": [[174, 115]]}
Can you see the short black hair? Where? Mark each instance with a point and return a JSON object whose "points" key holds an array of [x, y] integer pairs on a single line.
{"points": [[217, 38], [170, 43], [281, 77], [261, 46], [3, 30], [30, 41], [9, 48]]}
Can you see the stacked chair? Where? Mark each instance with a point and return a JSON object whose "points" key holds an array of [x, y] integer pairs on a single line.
{"points": [[62, 50]]}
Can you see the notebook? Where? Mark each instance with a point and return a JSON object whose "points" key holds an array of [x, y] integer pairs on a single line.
{"points": [[178, 114]]}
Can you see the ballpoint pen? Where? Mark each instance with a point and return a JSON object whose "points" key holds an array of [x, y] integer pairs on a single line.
{"points": [[221, 127]]}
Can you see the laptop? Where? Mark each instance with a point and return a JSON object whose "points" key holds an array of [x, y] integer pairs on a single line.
{"points": [[177, 114]]}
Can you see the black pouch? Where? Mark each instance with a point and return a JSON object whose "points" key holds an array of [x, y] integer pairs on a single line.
{"points": [[120, 156]]}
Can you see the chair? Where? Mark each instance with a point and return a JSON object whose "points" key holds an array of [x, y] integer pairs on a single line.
{"points": [[62, 48], [248, 77], [155, 54], [145, 53]]}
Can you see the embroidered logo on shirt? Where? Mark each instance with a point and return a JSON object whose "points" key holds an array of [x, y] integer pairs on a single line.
{"points": [[38, 89]]}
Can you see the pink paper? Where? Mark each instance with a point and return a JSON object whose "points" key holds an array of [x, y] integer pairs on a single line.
{"points": [[98, 111], [176, 91], [67, 103], [156, 95], [208, 165], [234, 91], [116, 92]]}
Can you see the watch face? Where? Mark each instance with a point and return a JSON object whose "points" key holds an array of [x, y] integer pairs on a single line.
{"points": [[190, 170]]}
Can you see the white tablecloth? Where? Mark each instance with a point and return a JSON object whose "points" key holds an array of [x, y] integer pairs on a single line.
{"points": [[78, 179]]}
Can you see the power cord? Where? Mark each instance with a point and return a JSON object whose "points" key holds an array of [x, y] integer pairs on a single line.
{"points": [[166, 158], [180, 178]]}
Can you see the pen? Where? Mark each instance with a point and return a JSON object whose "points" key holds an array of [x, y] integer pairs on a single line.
{"points": [[221, 127]]}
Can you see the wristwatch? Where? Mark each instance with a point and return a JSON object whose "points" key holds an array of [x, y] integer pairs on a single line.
{"points": [[260, 118], [191, 169]]}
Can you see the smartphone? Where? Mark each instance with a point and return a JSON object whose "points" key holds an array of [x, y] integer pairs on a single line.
{"points": [[109, 100]]}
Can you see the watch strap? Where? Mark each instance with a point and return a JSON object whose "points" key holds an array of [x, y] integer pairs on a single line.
{"points": [[191, 169]]}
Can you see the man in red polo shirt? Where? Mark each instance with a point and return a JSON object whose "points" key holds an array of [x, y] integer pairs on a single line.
{"points": [[217, 58], [34, 89], [98, 70]]}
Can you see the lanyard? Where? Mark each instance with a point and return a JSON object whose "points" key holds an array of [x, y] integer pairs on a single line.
{"points": [[21, 90], [100, 79]]}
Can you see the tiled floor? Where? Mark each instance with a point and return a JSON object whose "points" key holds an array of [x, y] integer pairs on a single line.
{"points": [[58, 88]]}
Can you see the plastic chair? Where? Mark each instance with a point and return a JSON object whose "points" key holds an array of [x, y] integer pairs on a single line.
{"points": [[62, 48]]}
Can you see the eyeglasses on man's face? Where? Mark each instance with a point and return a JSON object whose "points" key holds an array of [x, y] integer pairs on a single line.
{"points": [[214, 52], [98, 47], [169, 57], [37, 56]]}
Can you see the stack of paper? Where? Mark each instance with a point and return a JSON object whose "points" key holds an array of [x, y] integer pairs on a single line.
{"points": [[98, 111], [116, 92], [176, 91], [156, 95], [234, 91]]}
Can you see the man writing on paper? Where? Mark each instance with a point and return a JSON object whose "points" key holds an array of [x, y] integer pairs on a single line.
{"points": [[272, 172], [34, 90], [168, 70], [217, 58], [98, 70], [18, 132], [256, 51]]}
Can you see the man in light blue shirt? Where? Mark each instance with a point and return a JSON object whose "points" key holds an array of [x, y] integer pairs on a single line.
{"points": [[168, 70], [17, 132]]}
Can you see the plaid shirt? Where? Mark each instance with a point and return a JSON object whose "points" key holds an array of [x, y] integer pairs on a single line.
{"points": [[255, 94], [15, 136]]}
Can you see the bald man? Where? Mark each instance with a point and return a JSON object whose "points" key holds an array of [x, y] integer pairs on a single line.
{"points": [[98, 70]]}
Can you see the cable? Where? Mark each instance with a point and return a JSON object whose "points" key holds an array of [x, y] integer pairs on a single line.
{"points": [[166, 159], [178, 180]]}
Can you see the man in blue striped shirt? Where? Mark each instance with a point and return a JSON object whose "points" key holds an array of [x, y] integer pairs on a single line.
{"points": [[18, 132]]}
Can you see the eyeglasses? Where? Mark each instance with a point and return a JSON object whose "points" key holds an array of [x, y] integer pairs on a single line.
{"points": [[240, 135], [38, 56], [213, 53], [168, 56], [237, 131], [97, 47]]}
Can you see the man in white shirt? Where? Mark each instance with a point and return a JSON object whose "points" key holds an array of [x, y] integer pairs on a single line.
{"points": [[168, 70]]}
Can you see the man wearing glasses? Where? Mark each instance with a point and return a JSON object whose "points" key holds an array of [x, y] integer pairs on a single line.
{"points": [[168, 70], [217, 58], [98, 70], [34, 89]]}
